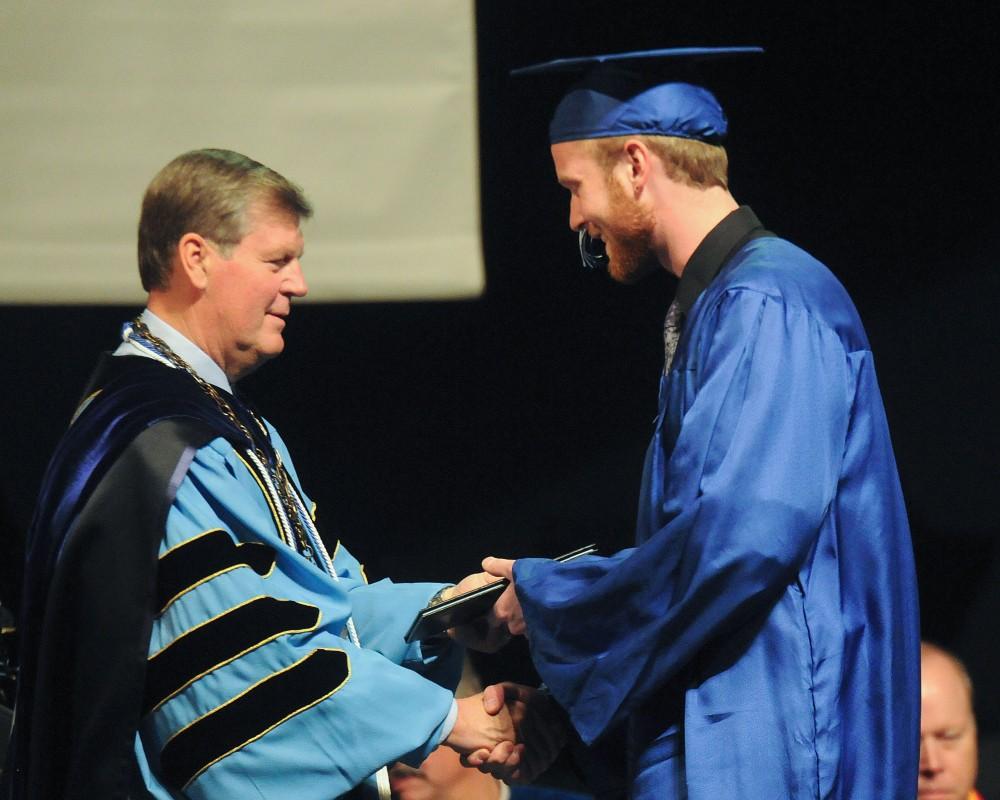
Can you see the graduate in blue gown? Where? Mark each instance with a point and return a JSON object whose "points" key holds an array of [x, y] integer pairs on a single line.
{"points": [[761, 638]]}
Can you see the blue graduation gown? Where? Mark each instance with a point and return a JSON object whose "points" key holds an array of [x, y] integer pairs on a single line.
{"points": [[761, 639]]}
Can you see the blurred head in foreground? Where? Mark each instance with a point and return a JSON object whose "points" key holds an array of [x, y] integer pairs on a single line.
{"points": [[949, 756]]}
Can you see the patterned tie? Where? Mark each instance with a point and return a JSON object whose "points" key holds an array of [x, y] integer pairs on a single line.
{"points": [[671, 334]]}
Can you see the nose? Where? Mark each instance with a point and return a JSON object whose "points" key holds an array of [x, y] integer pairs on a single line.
{"points": [[294, 283], [930, 758], [575, 217]]}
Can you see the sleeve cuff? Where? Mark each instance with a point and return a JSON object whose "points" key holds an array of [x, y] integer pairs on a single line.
{"points": [[449, 723]]}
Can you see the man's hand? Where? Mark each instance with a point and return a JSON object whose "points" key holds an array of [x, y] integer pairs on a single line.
{"points": [[506, 612], [479, 634], [477, 729], [541, 733]]}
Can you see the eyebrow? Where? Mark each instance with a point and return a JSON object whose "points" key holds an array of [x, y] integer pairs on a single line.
{"points": [[288, 253]]}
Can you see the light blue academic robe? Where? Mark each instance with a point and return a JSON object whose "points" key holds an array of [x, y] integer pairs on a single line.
{"points": [[253, 687], [761, 640], [173, 640], [367, 706]]}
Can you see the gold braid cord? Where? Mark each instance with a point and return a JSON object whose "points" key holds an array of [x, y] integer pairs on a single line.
{"points": [[279, 474]]}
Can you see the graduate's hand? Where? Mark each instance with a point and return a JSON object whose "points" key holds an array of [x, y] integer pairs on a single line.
{"points": [[541, 728], [478, 634], [477, 729], [506, 611]]}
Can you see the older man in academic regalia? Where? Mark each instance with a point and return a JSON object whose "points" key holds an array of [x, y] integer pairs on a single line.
{"points": [[186, 631]]}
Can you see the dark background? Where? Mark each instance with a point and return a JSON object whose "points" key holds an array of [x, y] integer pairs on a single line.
{"points": [[431, 434]]}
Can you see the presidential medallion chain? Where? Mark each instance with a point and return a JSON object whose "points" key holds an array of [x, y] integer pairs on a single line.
{"points": [[278, 476]]}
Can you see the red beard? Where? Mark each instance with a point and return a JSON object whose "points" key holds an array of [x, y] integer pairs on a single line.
{"points": [[628, 237]]}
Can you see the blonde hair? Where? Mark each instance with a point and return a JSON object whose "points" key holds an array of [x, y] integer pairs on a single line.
{"points": [[688, 161]]}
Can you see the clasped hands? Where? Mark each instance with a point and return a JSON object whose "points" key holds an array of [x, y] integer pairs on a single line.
{"points": [[510, 731]]}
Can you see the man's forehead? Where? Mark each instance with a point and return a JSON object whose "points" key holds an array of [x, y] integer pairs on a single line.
{"points": [[942, 681], [574, 156], [274, 232], [263, 212]]}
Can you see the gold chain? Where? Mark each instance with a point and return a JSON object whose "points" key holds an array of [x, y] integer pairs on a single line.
{"points": [[279, 474]]}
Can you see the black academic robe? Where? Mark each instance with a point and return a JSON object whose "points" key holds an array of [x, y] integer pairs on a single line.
{"points": [[90, 578]]}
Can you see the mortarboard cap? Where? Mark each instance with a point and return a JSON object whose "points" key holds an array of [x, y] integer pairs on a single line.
{"points": [[623, 94]]}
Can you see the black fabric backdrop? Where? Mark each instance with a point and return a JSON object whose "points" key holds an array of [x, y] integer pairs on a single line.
{"points": [[431, 434]]}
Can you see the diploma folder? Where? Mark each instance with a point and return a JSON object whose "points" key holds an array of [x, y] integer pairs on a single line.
{"points": [[465, 607]]}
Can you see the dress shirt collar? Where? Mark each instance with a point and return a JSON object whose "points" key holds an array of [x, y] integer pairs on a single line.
{"points": [[195, 357], [713, 252]]}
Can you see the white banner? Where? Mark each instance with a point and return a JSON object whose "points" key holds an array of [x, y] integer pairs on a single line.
{"points": [[369, 105]]}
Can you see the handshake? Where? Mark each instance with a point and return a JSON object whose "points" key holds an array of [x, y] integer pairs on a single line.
{"points": [[510, 731]]}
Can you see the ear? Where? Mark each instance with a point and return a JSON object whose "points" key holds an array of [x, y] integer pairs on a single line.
{"points": [[193, 260], [639, 161]]}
